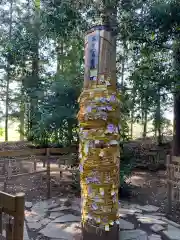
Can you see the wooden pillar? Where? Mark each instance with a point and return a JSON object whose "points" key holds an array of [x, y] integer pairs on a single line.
{"points": [[9, 231], [105, 59], [1, 223], [18, 230], [5, 170], [99, 137]]}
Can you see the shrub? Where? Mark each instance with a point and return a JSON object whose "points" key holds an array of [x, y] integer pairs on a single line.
{"points": [[126, 165]]}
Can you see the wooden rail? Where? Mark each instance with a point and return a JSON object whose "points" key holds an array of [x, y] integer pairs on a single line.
{"points": [[37, 152], [13, 206], [34, 155]]}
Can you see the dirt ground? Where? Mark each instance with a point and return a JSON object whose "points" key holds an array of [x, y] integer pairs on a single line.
{"points": [[35, 187], [147, 188], [151, 188]]}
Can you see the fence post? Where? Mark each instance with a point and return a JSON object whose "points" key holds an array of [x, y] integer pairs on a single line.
{"points": [[1, 221], [48, 174], [35, 163], [9, 231], [19, 217], [44, 159], [44, 162], [169, 184], [60, 170], [9, 170], [5, 176]]}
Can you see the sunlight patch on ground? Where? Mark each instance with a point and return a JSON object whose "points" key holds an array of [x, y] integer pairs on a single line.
{"points": [[137, 180]]}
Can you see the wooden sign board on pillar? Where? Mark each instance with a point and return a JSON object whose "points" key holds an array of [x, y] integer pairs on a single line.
{"points": [[103, 48]]}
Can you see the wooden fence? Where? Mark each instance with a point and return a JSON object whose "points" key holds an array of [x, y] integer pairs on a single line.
{"points": [[14, 207], [173, 181], [63, 156]]}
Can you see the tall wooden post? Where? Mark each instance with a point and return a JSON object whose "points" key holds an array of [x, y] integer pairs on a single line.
{"points": [[99, 147], [18, 230]]}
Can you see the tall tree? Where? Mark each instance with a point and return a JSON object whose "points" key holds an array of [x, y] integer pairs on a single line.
{"points": [[35, 67], [176, 140], [8, 68]]}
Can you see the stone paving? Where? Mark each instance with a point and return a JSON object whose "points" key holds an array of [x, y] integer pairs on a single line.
{"points": [[60, 219]]}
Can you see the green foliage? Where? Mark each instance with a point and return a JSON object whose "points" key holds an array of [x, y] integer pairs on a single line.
{"points": [[57, 114], [165, 125], [1, 132], [46, 62]]}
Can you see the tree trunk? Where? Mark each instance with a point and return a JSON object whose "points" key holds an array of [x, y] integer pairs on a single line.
{"points": [[56, 136], [145, 116], [34, 86], [158, 117], [132, 121], [35, 68], [145, 124], [155, 132], [8, 71], [132, 114], [60, 135], [60, 53], [142, 112], [176, 139], [7, 103], [176, 135], [22, 113], [23, 108], [123, 68], [70, 133]]}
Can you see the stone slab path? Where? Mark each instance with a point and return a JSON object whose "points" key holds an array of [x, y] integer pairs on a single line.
{"points": [[60, 219]]}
